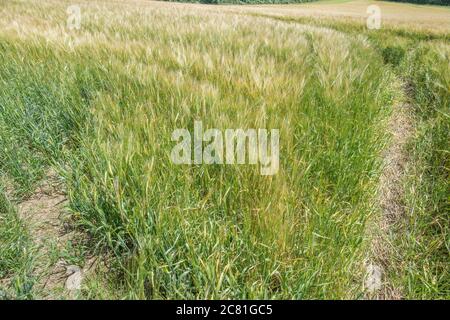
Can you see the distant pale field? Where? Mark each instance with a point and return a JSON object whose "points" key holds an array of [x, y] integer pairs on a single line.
{"points": [[417, 17], [432, 16], [421, 17], [431, 19]]}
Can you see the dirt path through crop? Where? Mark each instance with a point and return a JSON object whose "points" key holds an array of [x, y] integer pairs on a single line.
{"points": [[44, 212], [390, 195]]}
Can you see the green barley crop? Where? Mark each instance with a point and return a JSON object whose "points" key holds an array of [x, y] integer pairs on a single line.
{"points": [[99, 105]]}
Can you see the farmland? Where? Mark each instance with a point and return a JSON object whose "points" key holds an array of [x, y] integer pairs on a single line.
{"points": [[86, 122]]}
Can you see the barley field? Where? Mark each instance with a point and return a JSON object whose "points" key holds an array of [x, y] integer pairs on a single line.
{"points": [[86, 122]]}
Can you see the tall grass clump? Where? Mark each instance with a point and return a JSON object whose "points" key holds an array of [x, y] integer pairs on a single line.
{"points": [[225, 231], [16, 252], [39, 111], [424, 240]]}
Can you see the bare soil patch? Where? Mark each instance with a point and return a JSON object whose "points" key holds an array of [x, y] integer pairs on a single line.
{"points": [[47, 218]]}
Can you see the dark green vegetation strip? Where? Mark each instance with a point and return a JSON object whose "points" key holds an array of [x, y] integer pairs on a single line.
{"points": [[243, 1], [437, 2], [433, 2], [16, 261]]}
